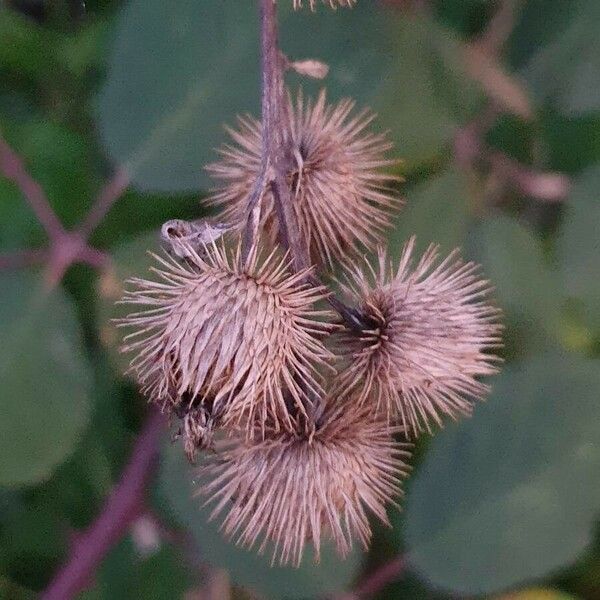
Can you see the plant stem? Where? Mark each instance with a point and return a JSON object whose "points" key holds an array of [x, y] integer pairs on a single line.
{"points": [[376, 581], [109, 194], [124, 505], [13, 168], [274, 168], [65, 247], [23, 258]]}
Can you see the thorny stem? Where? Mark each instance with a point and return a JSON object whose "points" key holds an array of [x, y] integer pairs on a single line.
{"points": [[123, 506]]}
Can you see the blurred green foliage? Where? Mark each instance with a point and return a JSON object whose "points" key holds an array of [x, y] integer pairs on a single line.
{"points": [[497, 501]]}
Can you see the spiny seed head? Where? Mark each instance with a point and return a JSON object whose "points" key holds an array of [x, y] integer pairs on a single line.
{"points": [[428, 337], [241, 341], [291, 489], [340, 195], [332, 3]]}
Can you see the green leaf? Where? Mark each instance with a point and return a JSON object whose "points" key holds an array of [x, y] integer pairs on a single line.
{"points": [[525, 286], [127, 575], [572, 143], [176, 76], [9, 589], [135, 213], [78, 488], [567, 70], [44, 377], [539, 23], [84, 49], [34, 541], [579, 245], [436, 211], [26, 48], [17, 227], [58, 159], [248, 569], [512, 494]]}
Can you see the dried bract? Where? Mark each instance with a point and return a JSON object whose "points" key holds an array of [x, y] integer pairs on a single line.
{"points": [[429, 336], [242, 342], [340, 196], [288, 490]]}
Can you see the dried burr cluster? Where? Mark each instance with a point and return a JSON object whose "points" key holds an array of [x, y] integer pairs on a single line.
{"points": [[306, 400]]}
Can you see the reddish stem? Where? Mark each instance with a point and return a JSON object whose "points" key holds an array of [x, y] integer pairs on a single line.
{"points": [[109, 194], [66, 247], [23, 258], [470, 148], [376, 581], [13, 168], [123, 506]]}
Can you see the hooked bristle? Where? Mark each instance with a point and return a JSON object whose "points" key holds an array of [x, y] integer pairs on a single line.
{"points": [[430, 337], [342, 195]]}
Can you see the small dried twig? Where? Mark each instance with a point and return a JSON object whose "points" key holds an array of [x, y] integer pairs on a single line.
{"points": [[123, 506]]}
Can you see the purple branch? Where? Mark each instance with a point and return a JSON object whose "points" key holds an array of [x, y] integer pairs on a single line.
{"points": [[470, 148], [376, 581], [23, 258], [124, 504], [109, 194], [13, 168]]}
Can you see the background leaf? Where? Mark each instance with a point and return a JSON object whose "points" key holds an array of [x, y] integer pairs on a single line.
{"points": [[567, 70], [44, 378], [525, 286], [436, 211], [579, 245], [493, 505], [131, 258], [169, 90]]}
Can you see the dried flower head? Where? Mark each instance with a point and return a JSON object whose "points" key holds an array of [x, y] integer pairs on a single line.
{"points": [[340, 195], [428, 339], [288, 490], [332, 3], [242, 342]]}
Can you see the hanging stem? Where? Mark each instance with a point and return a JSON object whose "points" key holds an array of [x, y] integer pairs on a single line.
{"points": [[274, 167], [273, 162]]}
